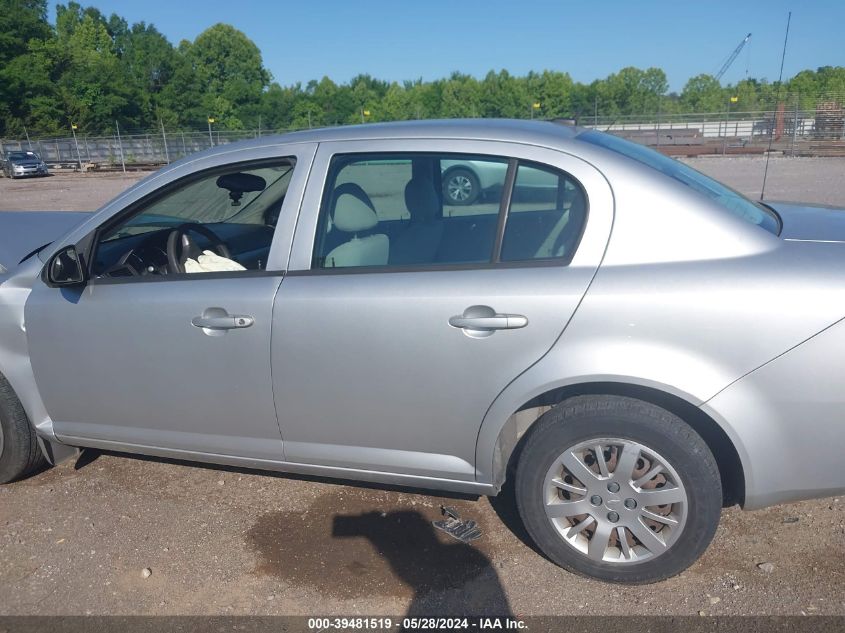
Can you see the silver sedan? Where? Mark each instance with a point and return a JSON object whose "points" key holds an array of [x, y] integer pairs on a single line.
{"points": [[625, 344]]}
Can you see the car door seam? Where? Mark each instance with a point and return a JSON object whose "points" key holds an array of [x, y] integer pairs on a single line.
{"points": [[565, 325], [272, 380]]}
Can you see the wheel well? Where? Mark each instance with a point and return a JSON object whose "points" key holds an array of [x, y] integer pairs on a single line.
{"points": [[727, 458]]}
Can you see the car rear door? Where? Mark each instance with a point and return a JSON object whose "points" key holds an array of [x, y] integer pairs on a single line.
{"points": [[388, 367]]}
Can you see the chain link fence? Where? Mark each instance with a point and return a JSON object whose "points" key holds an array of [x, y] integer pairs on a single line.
{"points": [[786, 128], [125, 150]]}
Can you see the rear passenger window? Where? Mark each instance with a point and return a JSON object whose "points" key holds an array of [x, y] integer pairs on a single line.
{"points": [[546, 216], [409, 210]]}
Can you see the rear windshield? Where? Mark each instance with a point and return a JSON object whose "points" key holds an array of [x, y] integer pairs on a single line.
{"points": [[731, 200]]}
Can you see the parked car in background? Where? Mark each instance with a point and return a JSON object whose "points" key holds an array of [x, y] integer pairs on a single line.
{"points": [[630, 351], [17, 164], [464, 182]]}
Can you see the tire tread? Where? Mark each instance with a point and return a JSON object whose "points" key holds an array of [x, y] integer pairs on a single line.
{"points": [[21, 453]]}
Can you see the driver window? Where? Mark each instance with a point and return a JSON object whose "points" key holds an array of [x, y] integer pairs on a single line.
{"points": [[222, 221]]}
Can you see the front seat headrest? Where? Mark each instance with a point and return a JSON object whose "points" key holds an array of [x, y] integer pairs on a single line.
{"points": [[352, 215], [352, 188], [421, 200]]}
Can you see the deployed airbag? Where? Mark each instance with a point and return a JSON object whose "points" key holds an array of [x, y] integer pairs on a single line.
{"points": [[210, 262]]}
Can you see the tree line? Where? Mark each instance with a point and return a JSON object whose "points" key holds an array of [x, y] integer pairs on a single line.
{"points": [[91, 70]]}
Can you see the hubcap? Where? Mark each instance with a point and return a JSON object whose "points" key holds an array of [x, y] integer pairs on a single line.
{"points": [[615, 500], [459, 188]]}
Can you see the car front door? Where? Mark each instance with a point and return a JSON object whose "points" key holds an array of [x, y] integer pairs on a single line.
{"points": [[403, 317], [176, 364]]}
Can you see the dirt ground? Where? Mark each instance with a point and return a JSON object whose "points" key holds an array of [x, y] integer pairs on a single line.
{"points": [[76, 539]]}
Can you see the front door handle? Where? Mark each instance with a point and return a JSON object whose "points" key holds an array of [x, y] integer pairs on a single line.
{"points": [[223, 323], [218, 320], [496, 322], [483, 321]]}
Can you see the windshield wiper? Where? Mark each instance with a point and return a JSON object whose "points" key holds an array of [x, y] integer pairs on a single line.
{"points": [[771, 211], [36, 251]]}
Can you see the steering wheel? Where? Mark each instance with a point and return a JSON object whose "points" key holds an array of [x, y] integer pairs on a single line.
{"points": [[180, 246]]}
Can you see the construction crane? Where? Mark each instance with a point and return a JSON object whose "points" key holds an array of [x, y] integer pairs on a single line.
{"points": [[733, 56]]}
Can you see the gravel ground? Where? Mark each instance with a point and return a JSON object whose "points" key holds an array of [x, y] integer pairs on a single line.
{"points": [[76, 539], [63, 191], [813, 180]]}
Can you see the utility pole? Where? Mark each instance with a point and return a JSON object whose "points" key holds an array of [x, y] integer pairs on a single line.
{"points": [[75, 142], [164, 138], [657, 129], [120, 145]]}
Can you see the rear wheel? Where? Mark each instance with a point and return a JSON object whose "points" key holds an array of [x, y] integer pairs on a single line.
{"points": [[19, 450], [618, 489]]}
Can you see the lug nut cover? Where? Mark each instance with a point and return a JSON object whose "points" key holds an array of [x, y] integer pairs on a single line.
{"points": [[612, 517]]}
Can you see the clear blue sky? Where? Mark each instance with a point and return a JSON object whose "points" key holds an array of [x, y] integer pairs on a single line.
{"points": [[408, 39]]}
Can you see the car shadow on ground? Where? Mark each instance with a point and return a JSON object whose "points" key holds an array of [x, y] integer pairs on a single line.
{"points": [[366, 541], [366, 552], [428, 564]]}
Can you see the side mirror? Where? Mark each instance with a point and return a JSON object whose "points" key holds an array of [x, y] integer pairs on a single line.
{"points": [[65, 268]]}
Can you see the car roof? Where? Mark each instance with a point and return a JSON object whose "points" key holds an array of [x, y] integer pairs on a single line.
{"points": [[511, 130]]}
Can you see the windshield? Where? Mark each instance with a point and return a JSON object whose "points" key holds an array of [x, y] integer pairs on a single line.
{"points": [[207, 201], [731, 200], [23, 156]]}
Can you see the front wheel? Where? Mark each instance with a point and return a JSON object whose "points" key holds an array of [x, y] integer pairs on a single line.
{"points": [[20, 454], [461, 187], [618, 489]]}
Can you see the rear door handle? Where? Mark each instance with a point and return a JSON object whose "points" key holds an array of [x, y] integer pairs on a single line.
{"points": [[495, 322]]}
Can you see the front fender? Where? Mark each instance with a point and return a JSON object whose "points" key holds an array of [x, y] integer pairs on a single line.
{"points": [[15, 365]]}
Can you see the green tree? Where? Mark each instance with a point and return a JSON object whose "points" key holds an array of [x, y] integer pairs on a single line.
{"points": [[20, 22], [90, 79], [460, 96], [553, 91], [703, 93], [23, 82], [229, 69], [149, 62], [504, 96]]}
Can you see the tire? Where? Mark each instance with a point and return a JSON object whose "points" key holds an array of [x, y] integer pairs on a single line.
{"points": [[19, 450], [589, 527], [460, 187]]}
